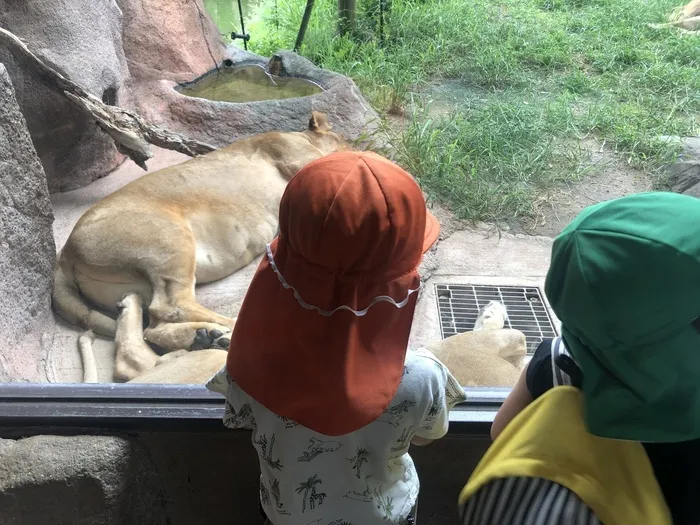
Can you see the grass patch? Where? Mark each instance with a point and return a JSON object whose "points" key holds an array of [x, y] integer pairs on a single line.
{"points": [[551, 72]]}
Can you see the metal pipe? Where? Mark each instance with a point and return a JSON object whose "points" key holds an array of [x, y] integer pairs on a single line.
{"points": [[240, 12], [304, 24], [381, 22], [346, 16]]}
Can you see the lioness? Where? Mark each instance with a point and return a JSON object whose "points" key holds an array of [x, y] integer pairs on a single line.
{"points": [[198, 221], [686, 18], [489, 356], [136, 362]]}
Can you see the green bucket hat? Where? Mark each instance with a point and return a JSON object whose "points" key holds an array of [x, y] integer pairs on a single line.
{"points": [[624, 281]]}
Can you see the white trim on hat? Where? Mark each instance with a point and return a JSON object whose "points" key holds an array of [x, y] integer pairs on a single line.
{"points": [[327, 313]]}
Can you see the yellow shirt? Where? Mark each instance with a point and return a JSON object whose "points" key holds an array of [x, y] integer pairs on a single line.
{"points": [[549, 440]]}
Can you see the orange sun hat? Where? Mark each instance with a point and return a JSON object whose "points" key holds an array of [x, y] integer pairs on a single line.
{"points": [[322, 333]]}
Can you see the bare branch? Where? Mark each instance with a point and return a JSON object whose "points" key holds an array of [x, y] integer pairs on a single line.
{"points": [[131, 133]]}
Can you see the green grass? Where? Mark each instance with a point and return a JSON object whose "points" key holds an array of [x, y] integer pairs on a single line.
{"points": [[545, 73]]}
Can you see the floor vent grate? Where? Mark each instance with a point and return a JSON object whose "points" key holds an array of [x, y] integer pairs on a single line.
{"points": [[459, 306]]}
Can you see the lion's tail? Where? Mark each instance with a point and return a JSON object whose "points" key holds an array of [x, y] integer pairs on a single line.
{"points": [[70, 306], [687, 24], [88, 356]]}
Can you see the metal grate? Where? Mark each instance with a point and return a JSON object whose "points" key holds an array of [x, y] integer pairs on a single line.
{"points": [[459, 306]]}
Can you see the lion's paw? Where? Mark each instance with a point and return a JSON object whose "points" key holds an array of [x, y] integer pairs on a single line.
{"points": [[205, 339]]}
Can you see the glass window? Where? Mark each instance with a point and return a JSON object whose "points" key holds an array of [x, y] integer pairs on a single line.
{"points": [[514, 131]]}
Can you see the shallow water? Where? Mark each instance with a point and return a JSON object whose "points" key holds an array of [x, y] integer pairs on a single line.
{"points": [[248, 84]]}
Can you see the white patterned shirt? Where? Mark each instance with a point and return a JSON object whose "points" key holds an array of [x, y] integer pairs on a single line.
{"points": [[362, 478]]}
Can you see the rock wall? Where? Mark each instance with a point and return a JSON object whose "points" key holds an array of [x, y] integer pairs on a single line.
{"points": [[169, 39], [108, 47], [83, 40], [684, 175], [79, 480], [27, 250], [133, 53]]}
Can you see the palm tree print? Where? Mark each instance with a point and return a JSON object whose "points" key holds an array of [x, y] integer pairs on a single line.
{"points": [[385, 504], [403, 441], [454, 392], [313, 498], [436, 406], [360, 458], [267, 454], [275, 489], [264, 493], [243, 419]]}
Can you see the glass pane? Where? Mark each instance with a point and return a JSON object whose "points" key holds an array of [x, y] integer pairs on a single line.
{"points": [[485, 331], [524, 126]]}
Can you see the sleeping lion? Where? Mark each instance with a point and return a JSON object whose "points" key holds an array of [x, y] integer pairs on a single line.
{"points": [[489, 356], [194, 222]]}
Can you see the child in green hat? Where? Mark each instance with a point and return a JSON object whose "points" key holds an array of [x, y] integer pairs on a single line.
{"points": [[625, 282]]}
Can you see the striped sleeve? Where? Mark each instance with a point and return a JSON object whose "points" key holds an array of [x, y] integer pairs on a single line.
{"points": [[525, 501], [560, 377], [551, 365]]}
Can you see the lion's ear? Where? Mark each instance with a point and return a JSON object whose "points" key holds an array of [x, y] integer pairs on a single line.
{"points": [[319, 122]]}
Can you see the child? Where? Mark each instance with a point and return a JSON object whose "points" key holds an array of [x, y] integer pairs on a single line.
{"points": [[625, 282], [317, 365], [551, 365]]}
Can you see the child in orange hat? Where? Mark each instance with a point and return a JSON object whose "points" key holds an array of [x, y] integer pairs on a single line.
{"points": [[318, 366]]}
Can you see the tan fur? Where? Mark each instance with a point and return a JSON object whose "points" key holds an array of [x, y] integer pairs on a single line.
{"points": [[483, 359], [198, 221], [136, 362], [133, 356], [89, 363], [192, 368], [489, 356], [690, 10], [686, 18]]}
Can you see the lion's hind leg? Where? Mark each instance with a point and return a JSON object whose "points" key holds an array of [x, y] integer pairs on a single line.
{"points": [[133, 356], [171, 356], [86, 353], [176, 304], [173, 283]]}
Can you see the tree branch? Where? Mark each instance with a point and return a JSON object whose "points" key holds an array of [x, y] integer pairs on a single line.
{"points": [[131, 133]]}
